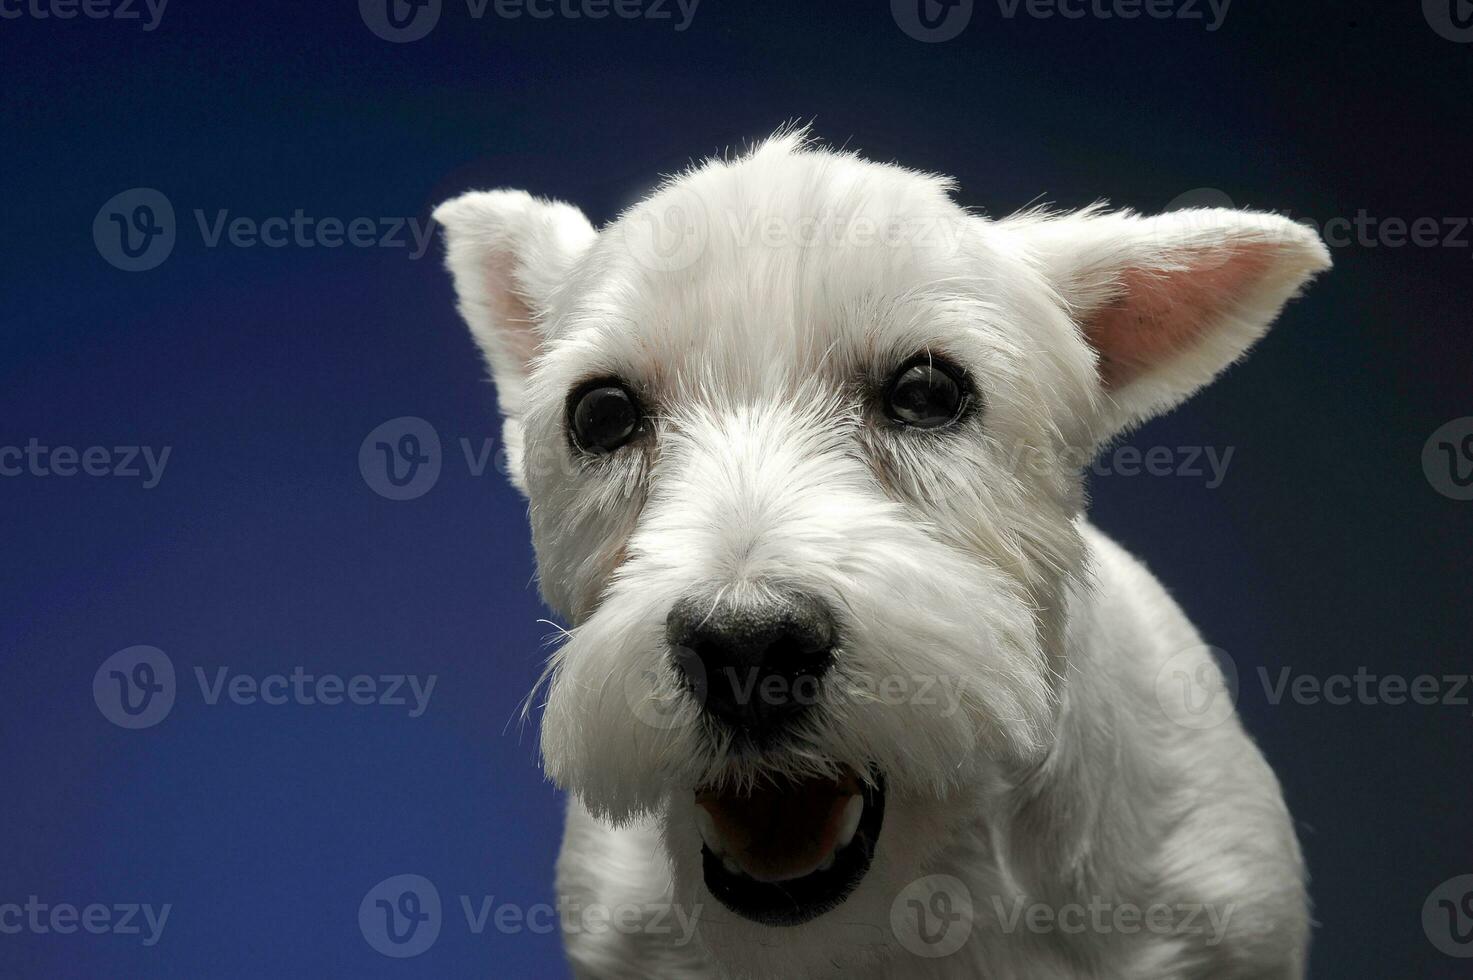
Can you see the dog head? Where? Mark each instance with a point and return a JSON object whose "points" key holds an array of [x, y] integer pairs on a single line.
{"points": [[803, 442]]}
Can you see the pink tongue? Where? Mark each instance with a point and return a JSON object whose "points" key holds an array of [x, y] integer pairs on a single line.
{"points": [[782, 832]]}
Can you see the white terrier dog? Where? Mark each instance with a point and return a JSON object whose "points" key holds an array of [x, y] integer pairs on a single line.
{"points": [[851, 686]]}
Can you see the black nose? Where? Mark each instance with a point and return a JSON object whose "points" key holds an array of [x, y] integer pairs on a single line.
{"points": [[755, 665]]}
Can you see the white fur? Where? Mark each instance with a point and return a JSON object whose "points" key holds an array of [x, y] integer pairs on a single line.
{"points": [[1057, 776]]}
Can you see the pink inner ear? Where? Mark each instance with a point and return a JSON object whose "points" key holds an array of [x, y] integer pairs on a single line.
{"points": [[517, 337], [1160, 314]]}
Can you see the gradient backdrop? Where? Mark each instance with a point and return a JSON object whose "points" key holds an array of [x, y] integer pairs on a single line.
{"points": [[1328, 546]]}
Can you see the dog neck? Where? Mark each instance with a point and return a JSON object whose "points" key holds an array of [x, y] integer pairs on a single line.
{"points": [[1083, 818]]}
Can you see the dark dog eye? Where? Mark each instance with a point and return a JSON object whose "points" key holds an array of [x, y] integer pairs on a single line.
{"points": [[926, 393], [603, 417]]}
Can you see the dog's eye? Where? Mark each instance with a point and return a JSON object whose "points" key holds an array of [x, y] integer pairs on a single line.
{"points": [[603, 416], [926, 393]]}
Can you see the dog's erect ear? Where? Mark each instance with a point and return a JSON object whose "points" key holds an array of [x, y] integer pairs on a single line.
{"points": [[508, 252], [1167, 302]]}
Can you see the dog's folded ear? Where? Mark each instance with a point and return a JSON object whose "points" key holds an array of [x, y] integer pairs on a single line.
{"points": [[1167, 302], [508, 252]]}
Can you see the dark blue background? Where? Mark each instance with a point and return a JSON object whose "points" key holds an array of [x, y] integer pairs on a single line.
{"points": [[262, 548]]}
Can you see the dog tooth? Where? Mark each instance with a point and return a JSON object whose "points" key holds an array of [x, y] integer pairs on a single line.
{"points": [[827, 862], [732, 868], [706, 824], [853, 810]]}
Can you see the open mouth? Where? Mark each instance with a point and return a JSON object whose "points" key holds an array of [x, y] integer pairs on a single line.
{"points": [[786, 852]]}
